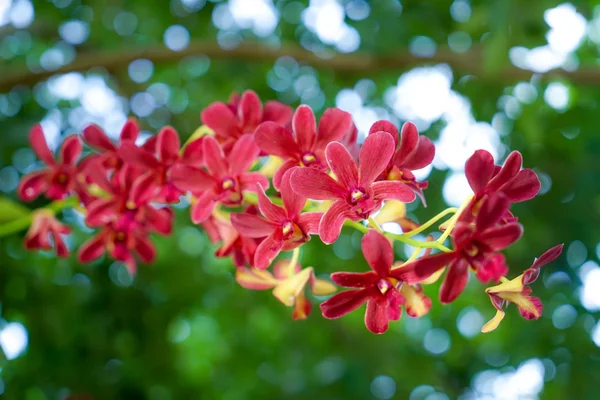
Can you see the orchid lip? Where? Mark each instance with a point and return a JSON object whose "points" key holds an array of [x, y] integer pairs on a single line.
{"points": [[308, 159], [356, 195], [227, 184]]}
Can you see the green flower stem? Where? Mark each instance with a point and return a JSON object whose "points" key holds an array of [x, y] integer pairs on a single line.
{"points": [[24, 222], [452, 222], [375, 225], [401, 238], [432, 221]]}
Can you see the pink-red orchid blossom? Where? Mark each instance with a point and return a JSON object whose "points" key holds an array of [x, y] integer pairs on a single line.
{"points": [[123, 242], [284, 228], [356, 194], [305, 145], [514, 183], [516, 291], [108, 151], [44, 226], [242, 116], [475, 248], [226, 180], [167, 148], [379, 288], [57, 179], [415, 152], [127, 200]]}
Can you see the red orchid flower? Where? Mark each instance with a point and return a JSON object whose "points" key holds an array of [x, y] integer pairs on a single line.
{"points": [[304, 147], [96, 138], [167, 149], [57, 180], [128, 201], [516, 291], [356, 194], [241, 248], [226, 179], [415, 152], [285, 227], [43, 227], [475, 247], [243, 115], [514, 183], [122, 241], [379, 288]]}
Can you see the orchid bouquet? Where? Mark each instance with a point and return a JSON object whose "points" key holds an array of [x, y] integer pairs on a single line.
{"points": [[261, 180]]}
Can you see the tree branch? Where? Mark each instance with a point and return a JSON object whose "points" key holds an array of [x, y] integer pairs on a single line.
{"points": [[355, 63]]}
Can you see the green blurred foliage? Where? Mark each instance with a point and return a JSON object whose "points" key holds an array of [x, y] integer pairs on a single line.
{"points": [[184, 329]]}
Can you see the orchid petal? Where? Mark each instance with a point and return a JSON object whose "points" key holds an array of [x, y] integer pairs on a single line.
{"points": [[249, 180], [130, 130], [274, 139], [168, 145], [317, 185], [205, 204], [375, 155], [250, 110], [37, 139], [342, 164], [278, 112], [378, 252], [219, 117], [243, 154], [355, 279], [385, 126], [479, 169], [271, 211], [252, 225], [332, 221], [455, 281], [267, 250], [345, 302], [392, 190], [95, 137], [499, 238], [309, 222], [190, 178], [254, 279], [334, 125], [524, 186], [304, 126], [292, 201], [32, 185], [214, 158]]}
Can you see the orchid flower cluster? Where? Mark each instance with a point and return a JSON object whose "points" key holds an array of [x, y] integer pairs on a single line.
{"points": [[262, 180]]}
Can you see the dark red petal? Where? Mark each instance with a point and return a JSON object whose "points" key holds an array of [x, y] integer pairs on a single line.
{"points": [[243, 154], [167, 145], [309, 222], [494, 207], [316, 185], [345, 302], [214, 158], [278, 176], [137, 156], [422, 156], [250, 110], [525, 186], [252, 225], [342, 164], [292, 201], [70, 150], [266, 251], [204, 206], [193, 153], [501, 237], [334, 125], [144, 189], [455, 281], [409, 140], [102, 211], [423, 268], [130, 130], [220, 118], [275, 140], [392, 190], [249, 180], [355, 279], [271, 211], [159, 220], [278, 112], [95, 137], [479, 169], [378, 252], [379, 311], [39, 145], [385, 126], [509, 170], [304, 126], [548, 256], [32, 185], [59, 244], [190, 178], [92, 249], [536, 305], [332, 221], [145, 249], [375, 155]]}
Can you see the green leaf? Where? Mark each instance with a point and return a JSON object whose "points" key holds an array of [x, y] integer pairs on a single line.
{"points": [[11, 210]]}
